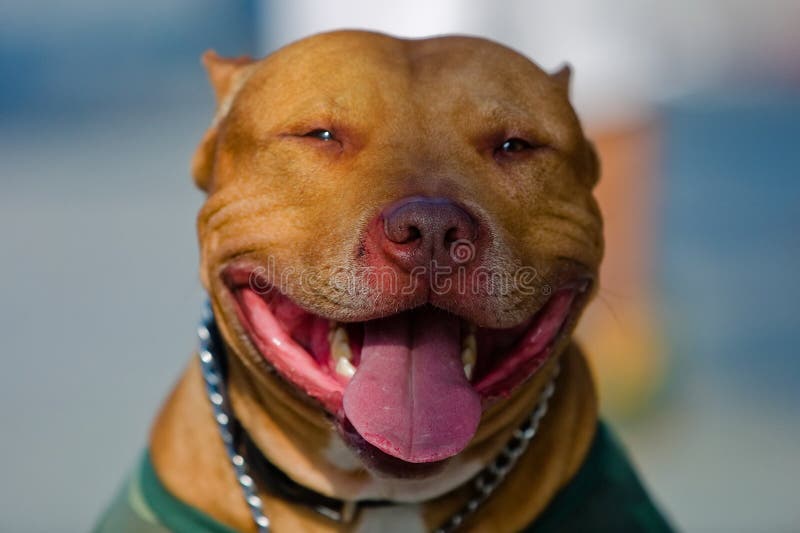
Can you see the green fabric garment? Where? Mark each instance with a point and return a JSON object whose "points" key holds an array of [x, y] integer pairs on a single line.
{"points": [[144, 505], [604, 496]]}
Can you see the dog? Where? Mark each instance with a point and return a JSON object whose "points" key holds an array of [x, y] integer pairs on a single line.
{"points": [[398, 239]]}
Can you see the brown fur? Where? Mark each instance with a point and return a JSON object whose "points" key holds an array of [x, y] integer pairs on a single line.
{"points": [[413, 117]]}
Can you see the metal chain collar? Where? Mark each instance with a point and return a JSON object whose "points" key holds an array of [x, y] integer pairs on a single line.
{"points": [[484, 483]]}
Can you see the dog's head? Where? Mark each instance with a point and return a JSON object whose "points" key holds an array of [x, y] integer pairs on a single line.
{"points": [[403, 229]]}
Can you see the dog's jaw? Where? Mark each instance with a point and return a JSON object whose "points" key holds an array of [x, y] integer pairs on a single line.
{"points": [[487, 364], [298, 437]]}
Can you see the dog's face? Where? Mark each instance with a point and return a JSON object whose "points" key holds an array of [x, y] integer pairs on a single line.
{"points": [[404, 230]]}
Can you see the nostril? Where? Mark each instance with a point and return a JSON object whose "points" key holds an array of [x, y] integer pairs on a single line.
{"points": [[400, 233], [455, 234]]}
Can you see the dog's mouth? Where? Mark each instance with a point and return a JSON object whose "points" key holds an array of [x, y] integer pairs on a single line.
{"points": [[412, 384]]}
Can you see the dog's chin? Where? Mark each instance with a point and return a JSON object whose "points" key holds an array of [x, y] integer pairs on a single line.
{"points": [[407, 390]]}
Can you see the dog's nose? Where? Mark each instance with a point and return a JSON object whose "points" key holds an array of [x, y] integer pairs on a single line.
{"points": [[418, 230]]}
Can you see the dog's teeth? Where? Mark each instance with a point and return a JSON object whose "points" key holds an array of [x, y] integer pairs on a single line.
{"points": [[345, 368], [469, 349], [469, 354], [469, 342], [468, 359], [340, 345], [340, 352], [469, 368]]}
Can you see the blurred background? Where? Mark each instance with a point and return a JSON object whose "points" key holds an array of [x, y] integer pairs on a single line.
{"points": [[694, 106]]}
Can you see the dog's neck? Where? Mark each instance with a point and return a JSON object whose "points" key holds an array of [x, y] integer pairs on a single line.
{"points": [[301, 441]]}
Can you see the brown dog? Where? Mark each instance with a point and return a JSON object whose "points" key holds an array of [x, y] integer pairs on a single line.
{"points": [[398, 240]]}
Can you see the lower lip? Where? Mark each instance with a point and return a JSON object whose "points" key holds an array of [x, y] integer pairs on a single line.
{"points": [[533, 349], [283, 353]]}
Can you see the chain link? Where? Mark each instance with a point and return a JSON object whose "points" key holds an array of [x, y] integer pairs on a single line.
{"points": [[215, 389]]}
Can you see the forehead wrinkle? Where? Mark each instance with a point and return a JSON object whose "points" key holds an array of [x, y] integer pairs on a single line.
{"points": [[502, 112]]}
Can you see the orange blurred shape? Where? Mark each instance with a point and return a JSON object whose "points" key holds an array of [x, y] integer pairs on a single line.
{"points": [[622, 330]]}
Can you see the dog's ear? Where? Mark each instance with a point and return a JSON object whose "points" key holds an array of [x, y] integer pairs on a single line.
{"points": [[226, 76], [591, 166], [563, 76]]}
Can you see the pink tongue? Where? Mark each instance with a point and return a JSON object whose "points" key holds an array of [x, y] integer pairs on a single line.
{"points": [[409, 397]]}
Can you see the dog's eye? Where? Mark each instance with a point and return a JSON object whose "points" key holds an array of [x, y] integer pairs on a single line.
{"points": [[514, 145], [322, 135]]}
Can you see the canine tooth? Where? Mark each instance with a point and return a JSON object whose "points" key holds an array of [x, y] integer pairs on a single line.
{"points": [[340, 345], [469, 349], [345, 368], [469, 353], [469, 342], [468, 356], [469, 368], [468, 359]]}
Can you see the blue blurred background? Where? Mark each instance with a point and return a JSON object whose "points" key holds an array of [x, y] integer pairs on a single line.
{"points": [[101, 108]]}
